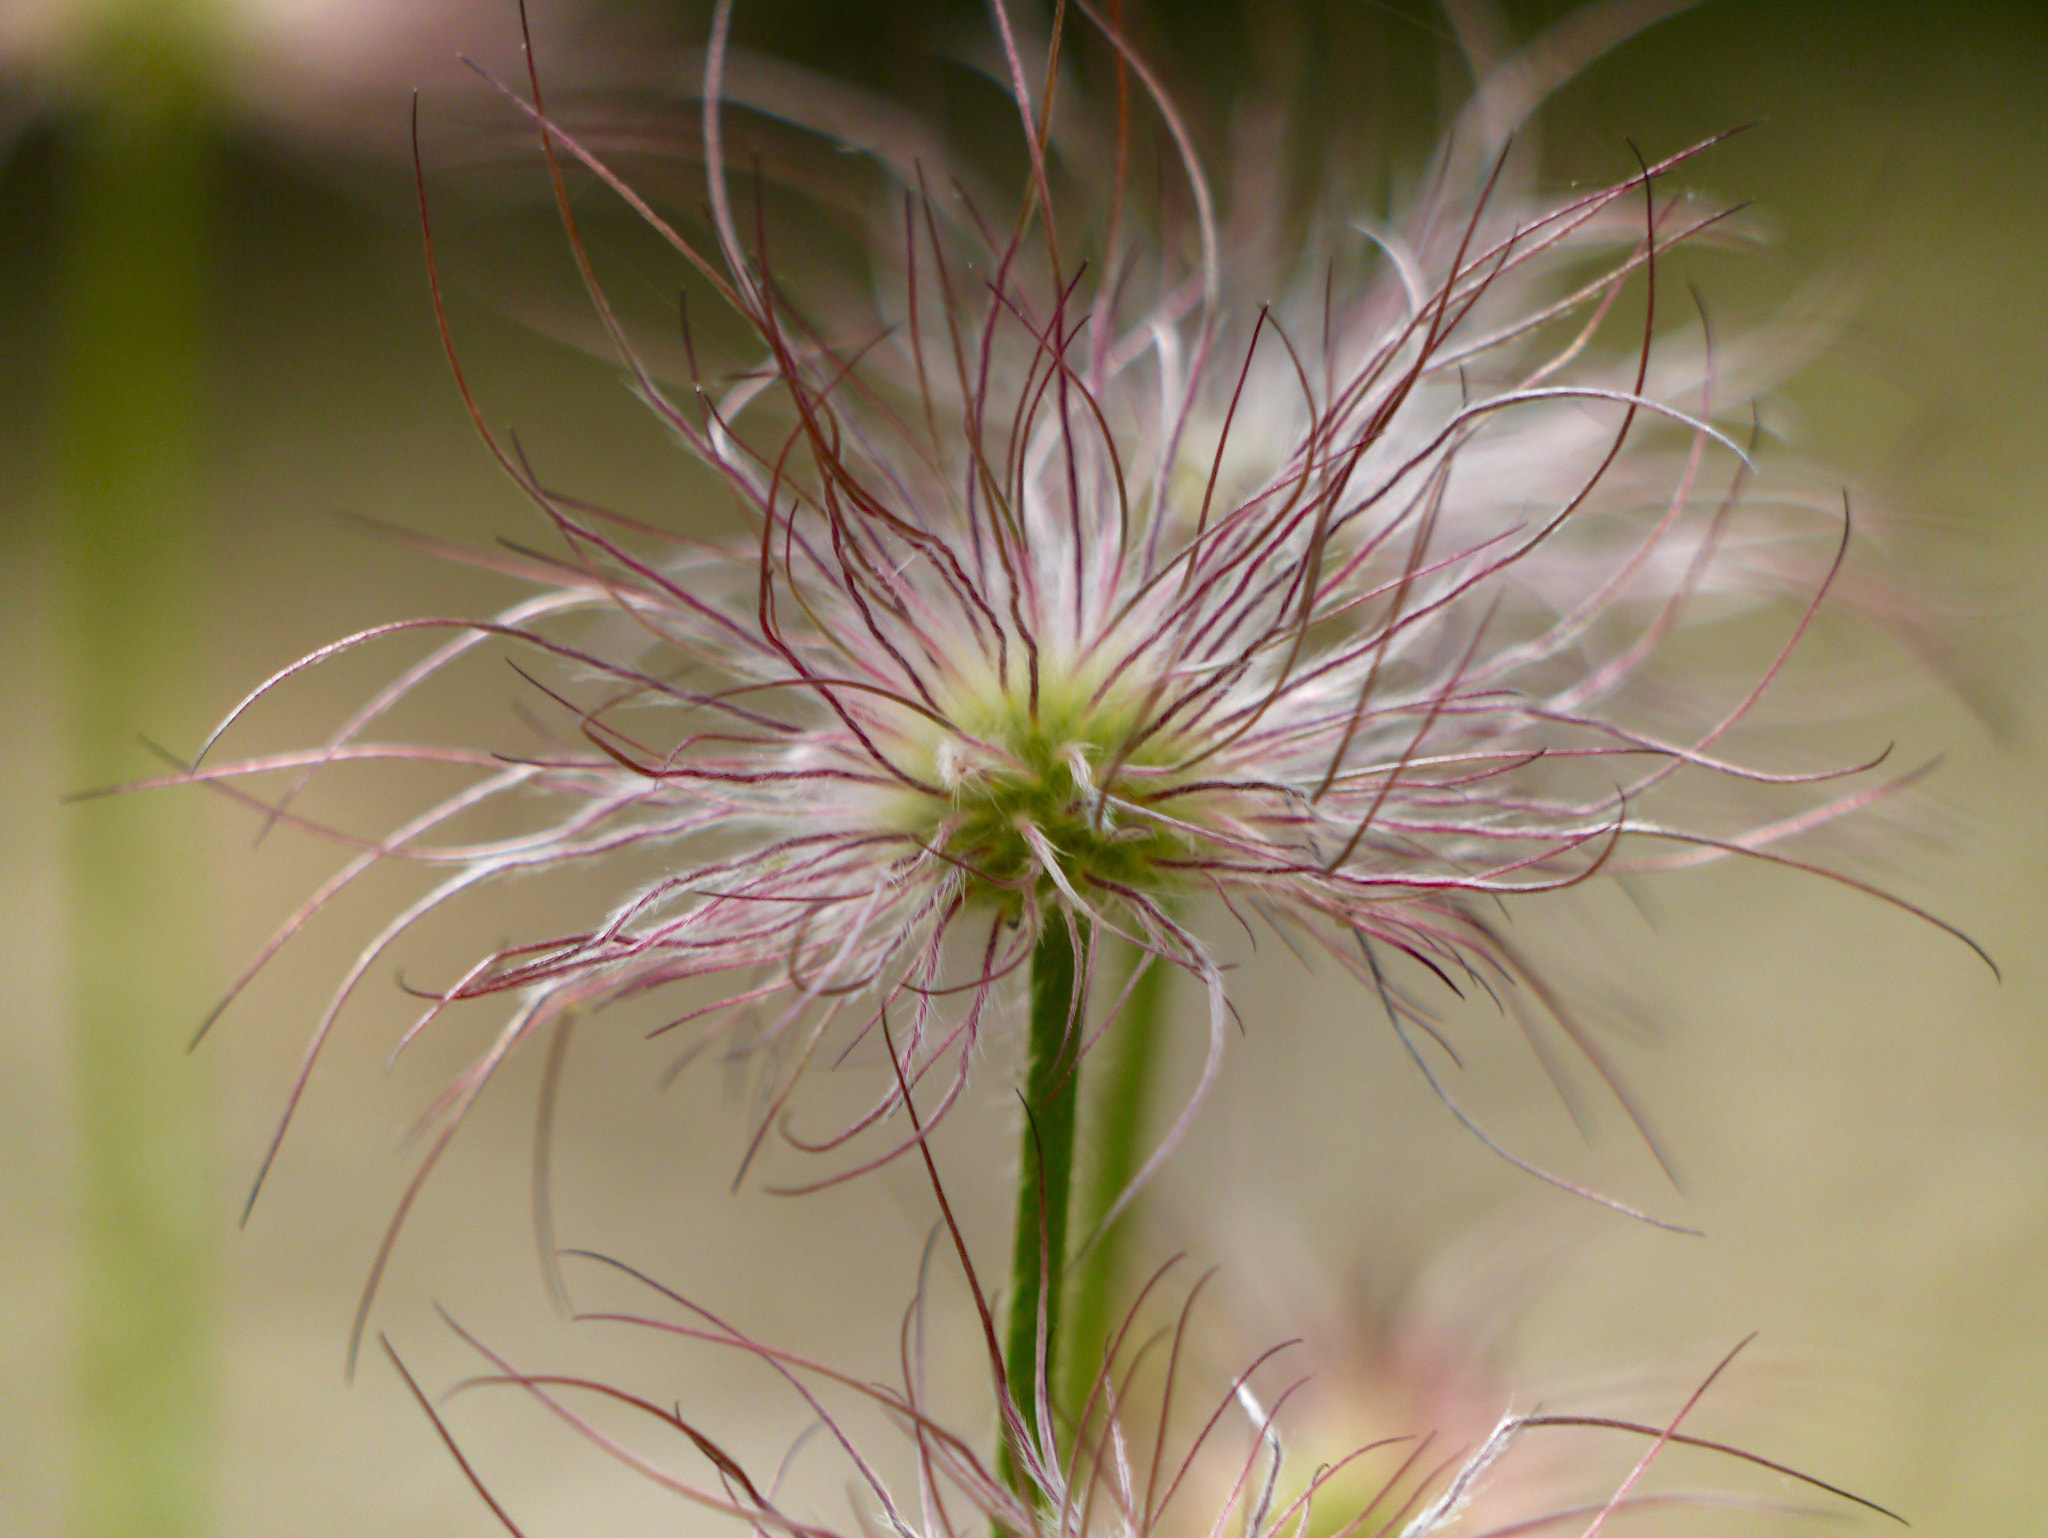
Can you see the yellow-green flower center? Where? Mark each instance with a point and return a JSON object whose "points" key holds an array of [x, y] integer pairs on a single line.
{"points": [[1068, 787]]}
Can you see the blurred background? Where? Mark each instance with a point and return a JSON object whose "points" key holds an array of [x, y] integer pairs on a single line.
{"points": [[1859, 1112]]}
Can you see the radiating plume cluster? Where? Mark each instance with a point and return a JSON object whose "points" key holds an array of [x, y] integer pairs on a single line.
{"points": [[1156, 1447], [1084, 582], [1114, 555]]}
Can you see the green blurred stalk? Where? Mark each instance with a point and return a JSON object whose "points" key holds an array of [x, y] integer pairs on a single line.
{"points": [[1076, 1307], [1118, 1107], [1045, 1175], [129, 340]]}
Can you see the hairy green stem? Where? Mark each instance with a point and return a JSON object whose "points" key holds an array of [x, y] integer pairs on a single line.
{"points": [[1052, 1079], [129, 339], [1118, 1104]]}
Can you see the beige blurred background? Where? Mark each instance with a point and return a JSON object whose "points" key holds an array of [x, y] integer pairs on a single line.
{"points": [[1860, 1113]]}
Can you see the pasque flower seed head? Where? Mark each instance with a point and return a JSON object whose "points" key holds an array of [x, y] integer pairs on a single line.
{"points": [[1090, 581]]}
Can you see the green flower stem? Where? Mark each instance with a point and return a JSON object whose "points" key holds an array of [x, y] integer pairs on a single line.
{"points": [[129, 342], [1118, 1106], [1045, 1173]]}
